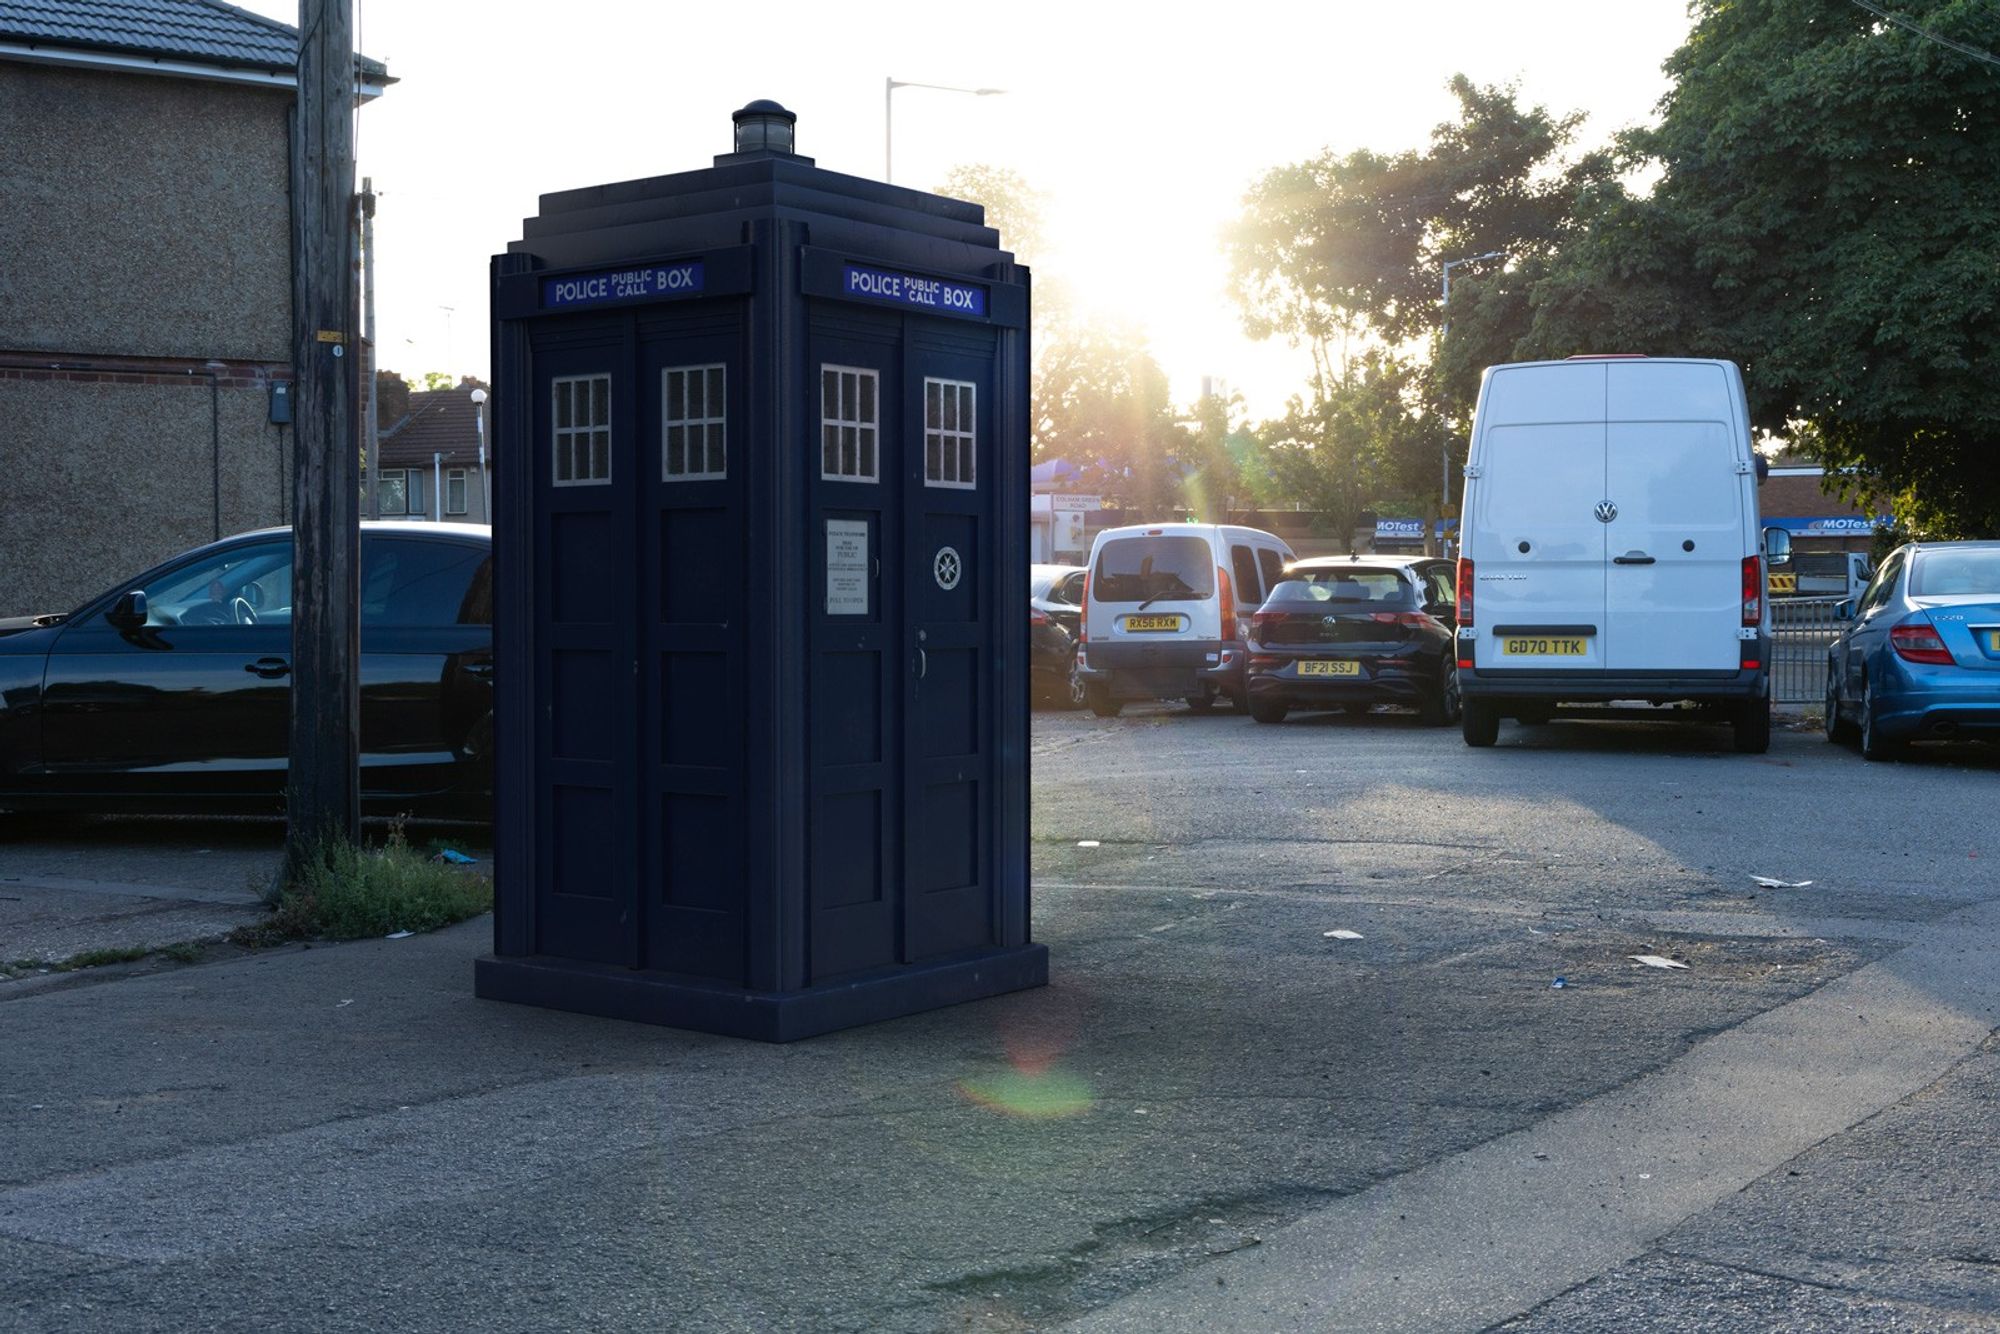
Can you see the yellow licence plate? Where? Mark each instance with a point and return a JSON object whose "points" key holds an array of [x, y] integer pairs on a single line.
{"points": [[1329, 669], [1152, 623], [1992, 641], [1545, 648]]}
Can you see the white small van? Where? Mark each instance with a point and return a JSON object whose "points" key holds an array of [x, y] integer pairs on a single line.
{"points": [[1611, 546], [1165, 607]]}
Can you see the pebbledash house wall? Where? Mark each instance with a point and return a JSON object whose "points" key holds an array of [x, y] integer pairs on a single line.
{"points": [[145, 309]]}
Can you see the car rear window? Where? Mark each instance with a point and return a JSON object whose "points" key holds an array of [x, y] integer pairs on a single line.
{"points": [[1141, 569], [1945, 573], [1356, 584]]}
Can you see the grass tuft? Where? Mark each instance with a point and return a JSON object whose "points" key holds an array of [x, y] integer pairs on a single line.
{"points": [[344, 892]]}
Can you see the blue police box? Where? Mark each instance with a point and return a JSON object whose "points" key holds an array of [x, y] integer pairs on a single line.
{"points": [[761, 602]]}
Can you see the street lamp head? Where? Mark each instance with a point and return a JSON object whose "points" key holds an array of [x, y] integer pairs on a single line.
{"points": [[478, 397]]}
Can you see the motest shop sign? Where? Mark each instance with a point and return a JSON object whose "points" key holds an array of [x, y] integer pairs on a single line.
{"points": [[907, 289], [641, 284], [1411, 529]]}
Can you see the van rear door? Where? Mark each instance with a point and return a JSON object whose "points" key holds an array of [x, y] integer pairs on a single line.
{"points": [[1674, 582], [1538, 554]]}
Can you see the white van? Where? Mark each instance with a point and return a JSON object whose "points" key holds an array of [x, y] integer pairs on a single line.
{"points": [[1165, 606], [1611, 545]]}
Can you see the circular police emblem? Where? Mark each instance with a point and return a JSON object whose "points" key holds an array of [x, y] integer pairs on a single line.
{"points": [[945, 568], [1606, 511]]}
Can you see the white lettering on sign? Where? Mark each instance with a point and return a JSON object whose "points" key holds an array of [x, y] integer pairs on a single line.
{"points": [[847, 567]]}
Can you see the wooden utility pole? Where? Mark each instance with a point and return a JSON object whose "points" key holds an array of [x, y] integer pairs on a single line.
{"points": [[324, 796]]}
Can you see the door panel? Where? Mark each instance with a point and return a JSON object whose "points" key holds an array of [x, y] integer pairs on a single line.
{"points": [[1680, 504], [1540, 561], [948, 742], [692, 447], [856, 646], [584, 470]]}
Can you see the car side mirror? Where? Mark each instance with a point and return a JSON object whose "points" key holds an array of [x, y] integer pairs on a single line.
{"points": [[1843, 611], [129, 611], [1777, 547]]}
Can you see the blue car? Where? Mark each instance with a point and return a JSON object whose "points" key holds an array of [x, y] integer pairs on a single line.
{"points": [[1919, 659]]}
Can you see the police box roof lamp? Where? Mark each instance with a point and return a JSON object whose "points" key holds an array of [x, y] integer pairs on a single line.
{"points": [[764, 127]]}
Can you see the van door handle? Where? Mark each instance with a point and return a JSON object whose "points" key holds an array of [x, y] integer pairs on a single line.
{"points": [[923, 664], [1632, 558]]}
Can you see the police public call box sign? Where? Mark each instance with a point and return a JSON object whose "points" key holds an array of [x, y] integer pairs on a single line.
{"points": [[647, 283], [908, 289]]}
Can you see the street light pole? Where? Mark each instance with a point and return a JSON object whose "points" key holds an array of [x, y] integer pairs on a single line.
{"points": [[1444, 445], [889, 87]]}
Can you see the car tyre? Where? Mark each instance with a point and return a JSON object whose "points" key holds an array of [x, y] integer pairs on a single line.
{"points": [[1875, 746], [1443, 708], [1479, 722], [1838, 729], [1099, 699], [1268, 711], [1074, 687], [1203, 702], [1753, 726]]}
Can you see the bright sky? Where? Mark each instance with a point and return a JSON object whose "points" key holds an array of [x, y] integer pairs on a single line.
{"points": [[1144, 124]]}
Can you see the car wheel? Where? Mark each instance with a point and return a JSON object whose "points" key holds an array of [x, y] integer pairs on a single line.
{"points": [[1268, 711], [1838, 729], [1753, 726], [1203, 702], [1874, 746], [1479, 722], [1099, 699], [1443, 708], [1076, 692]]}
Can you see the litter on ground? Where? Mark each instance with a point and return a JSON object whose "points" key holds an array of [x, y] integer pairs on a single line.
{"points": [[399, 935], [1088, 843], [1656, 961], [454, 857], [1342, 934], [1772, 882]]}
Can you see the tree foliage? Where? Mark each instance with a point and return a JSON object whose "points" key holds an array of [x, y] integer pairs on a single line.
{"points": [[1827, 214]]}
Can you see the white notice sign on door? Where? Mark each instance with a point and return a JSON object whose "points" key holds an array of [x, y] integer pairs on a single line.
{"points": [[847, 567]]}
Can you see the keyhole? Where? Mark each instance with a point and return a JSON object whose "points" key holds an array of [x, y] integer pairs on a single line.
{"points": [[1688, 545], [1524, 548]]}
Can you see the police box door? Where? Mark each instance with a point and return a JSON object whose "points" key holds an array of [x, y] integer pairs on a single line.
{"points": [[950, 798]]}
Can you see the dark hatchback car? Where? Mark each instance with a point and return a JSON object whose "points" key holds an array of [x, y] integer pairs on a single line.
{"points": [[1919, 656], [171, 691], [1055, 619], [1353, 632]]}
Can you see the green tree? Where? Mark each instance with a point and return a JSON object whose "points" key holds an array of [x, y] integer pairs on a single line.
{"points": [[1013, 206], [1363, 443], [1827, 214]]}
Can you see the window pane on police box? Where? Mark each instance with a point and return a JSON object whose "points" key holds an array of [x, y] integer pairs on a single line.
{"points": [[718, 462], [965, 459], [714, 396], [867, 452], [676, 395], [867, 397], [600, 400], [562, 388], [676, 450]]}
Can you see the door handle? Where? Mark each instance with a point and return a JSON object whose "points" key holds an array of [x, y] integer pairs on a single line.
{"points": [[923, 664], [270, 669], [1632, 558], [479, 669]]}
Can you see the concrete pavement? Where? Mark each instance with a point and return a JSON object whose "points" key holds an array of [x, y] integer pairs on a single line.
{"points": [[1216, 1116]]}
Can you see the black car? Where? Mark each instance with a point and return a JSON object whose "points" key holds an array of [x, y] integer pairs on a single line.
{"points": [[171, 691], [1353, 632], [1055, 623]]}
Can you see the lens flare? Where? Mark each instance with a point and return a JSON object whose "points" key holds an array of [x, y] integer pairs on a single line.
{"points": [[1041, 1095]]}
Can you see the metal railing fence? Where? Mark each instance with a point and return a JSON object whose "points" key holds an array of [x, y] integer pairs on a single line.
{"points": [[1801, 628]]}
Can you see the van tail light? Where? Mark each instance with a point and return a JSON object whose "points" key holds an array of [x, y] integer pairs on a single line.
{"points": [[1917, 641], [1036, 616], [1228, 624], [1753, 590], [1083, 618], [1464, 592]]}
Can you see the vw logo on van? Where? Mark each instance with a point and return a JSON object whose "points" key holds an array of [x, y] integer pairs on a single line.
{"points": [[1606, 511]]}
